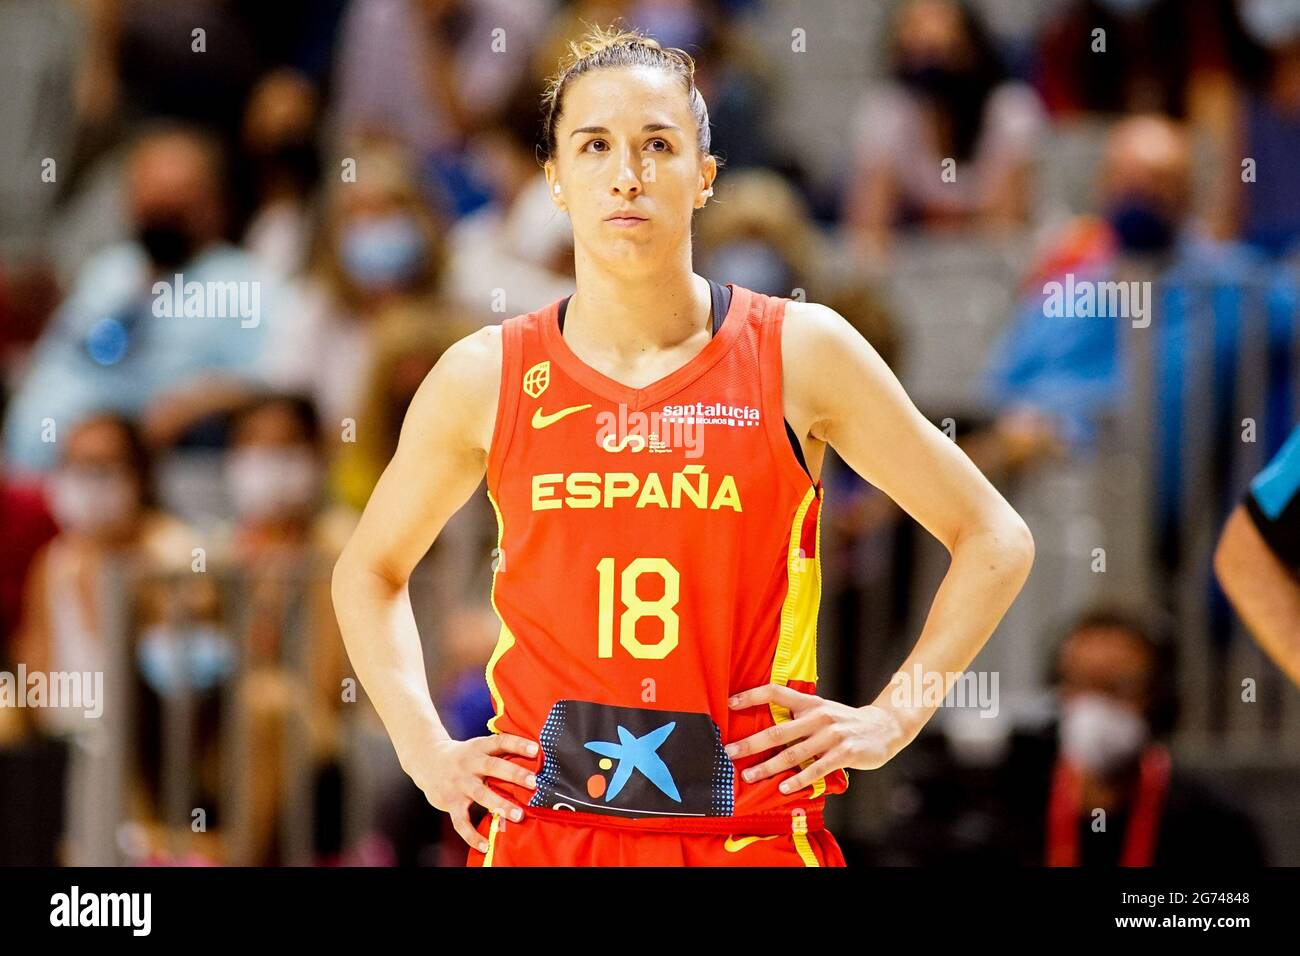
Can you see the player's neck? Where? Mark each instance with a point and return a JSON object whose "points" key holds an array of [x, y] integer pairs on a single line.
{"points": [[623, 316]]}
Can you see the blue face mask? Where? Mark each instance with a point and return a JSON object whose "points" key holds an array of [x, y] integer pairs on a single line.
{"points": [[386, 252], [1140, 225], [200, 655], [1272, 23], [753, 264]]}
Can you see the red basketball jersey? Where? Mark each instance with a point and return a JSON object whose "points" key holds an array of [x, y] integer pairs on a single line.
{"points": [[658, 552]]}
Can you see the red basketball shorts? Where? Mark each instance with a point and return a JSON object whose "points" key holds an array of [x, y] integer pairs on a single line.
{"points": [[534, 841]]}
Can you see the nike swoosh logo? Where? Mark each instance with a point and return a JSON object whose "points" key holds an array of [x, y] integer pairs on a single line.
{"points": [[733, 844], [541, 420]]}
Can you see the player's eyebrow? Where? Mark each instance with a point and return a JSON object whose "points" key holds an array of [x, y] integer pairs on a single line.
{"points": [[647, 128]]}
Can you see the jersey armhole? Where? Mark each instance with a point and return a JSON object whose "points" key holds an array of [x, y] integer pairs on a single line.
{"points": [[781, 437], [503, 427], [1279, 531]]}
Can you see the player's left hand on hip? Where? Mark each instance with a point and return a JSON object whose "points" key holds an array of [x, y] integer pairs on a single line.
{"points": [[831, 734]]}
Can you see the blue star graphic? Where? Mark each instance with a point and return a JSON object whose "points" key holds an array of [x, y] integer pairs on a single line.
{"points": [[638, 753]]}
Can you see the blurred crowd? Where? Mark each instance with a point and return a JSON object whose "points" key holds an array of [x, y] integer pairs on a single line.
{"points": [[363, 175]]}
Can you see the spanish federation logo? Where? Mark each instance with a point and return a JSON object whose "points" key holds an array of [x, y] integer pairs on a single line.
{"points": [[537, 378], [612, 443]]}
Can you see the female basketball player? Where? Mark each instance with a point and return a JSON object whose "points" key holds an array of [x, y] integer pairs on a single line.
{"points": [[653, 446]]}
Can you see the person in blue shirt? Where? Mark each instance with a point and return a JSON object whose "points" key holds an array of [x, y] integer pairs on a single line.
{"points": [[1066, 369], [1067, 366], [130, 337], [1258, 558]]}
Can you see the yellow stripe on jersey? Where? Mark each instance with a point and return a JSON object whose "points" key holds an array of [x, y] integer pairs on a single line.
{"points": [[505, 640], [799, 832], [796, 649], [805, 850], [492, 840]]}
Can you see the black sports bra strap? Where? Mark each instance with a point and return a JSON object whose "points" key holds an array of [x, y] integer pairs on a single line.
{"points": [[721, 303], [721, 299], [564, 307]]}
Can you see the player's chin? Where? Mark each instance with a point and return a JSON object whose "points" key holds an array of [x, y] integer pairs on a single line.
{"points": [[627, 250]]}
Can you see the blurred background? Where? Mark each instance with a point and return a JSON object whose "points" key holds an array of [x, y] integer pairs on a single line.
{"points": [[173, 490]]}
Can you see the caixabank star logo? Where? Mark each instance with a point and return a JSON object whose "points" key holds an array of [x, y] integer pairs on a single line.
{"points": [[633, 762]]}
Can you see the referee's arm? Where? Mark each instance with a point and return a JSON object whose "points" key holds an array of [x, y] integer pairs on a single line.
{"points": [[1258, 556]]}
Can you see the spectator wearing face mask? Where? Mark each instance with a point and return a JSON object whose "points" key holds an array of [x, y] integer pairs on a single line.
{"points": [[1093, 785], [949, 100], [109, 523], [379, 251], [102, 501], [760, 235], [116, 343], [279, 552], [1056, 378], [1053, 377], [1115, 682]]}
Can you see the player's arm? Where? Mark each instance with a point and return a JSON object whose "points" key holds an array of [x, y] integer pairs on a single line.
{"points": [[838, 390], [1256, 555], [1264, 592], [440, 460]]}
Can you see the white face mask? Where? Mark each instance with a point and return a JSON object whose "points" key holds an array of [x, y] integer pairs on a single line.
{"points": [[271, 482], [88, 501], [1100, 735]]}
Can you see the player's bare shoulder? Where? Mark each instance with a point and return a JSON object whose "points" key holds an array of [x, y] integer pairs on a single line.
{"points": [[807, 328], [809, 334], [459, 395]]}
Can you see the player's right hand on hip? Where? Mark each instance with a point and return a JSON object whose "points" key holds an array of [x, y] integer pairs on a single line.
{"points": [[452, 775]]}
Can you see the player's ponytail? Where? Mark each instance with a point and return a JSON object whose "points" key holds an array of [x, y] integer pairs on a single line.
{"points": [[615, 47]]}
